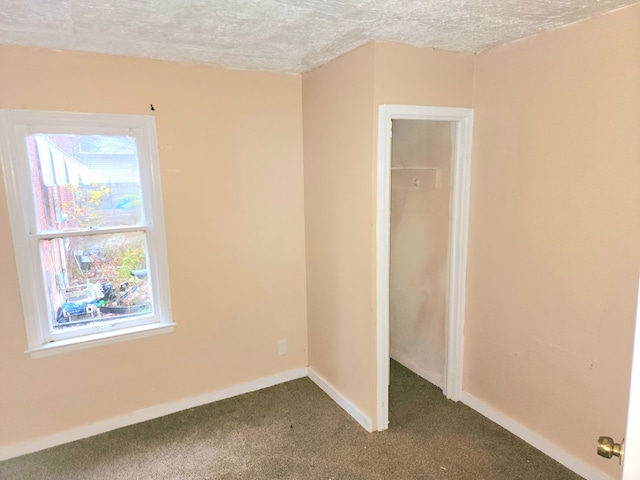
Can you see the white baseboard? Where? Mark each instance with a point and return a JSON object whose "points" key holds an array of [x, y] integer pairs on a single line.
{"points": [[341, 400], [546, 446], [549, 448], [406, 361], [84, 431]]}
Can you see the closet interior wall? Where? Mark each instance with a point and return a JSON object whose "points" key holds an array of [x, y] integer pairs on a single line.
{"points": [[421, 154]]}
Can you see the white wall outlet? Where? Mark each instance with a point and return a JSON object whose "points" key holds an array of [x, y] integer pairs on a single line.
{"points": [[282, 347]]}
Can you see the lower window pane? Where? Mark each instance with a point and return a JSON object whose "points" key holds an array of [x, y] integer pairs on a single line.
{"points": [[93, 279]]}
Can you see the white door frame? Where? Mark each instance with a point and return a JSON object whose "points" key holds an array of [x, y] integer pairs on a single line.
{"points": [[461, 170]]}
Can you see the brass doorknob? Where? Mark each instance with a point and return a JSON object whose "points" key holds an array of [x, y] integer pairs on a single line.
{"points": [[607, 448]]}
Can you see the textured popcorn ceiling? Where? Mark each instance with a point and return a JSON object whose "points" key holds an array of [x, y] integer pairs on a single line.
{"points": [[279, 35]]}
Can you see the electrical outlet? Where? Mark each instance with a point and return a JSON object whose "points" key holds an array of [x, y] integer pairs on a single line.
{"points": [[282, 347]]}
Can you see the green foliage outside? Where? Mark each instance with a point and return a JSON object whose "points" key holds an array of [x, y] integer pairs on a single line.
{"points": [[84, 211], [116, 256]]}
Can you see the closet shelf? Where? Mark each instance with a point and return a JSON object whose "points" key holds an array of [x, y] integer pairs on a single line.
{"points": [[416, 182], [415, 168]]}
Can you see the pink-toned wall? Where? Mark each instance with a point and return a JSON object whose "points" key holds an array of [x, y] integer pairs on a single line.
{"points": [[338, 130], [554, 243], [232, 174]]}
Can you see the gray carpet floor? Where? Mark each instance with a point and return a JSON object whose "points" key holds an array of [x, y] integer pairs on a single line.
{"points": [[295, 431]]}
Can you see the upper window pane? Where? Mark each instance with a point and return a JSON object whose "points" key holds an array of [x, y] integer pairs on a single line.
{"points": [[85, 181]]}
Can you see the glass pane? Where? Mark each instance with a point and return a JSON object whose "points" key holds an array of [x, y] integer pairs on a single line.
{"points": [[84, 181], [96, 278]]}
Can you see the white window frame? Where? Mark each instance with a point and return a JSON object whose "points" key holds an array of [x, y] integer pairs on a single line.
{"points": [[15, 126]]}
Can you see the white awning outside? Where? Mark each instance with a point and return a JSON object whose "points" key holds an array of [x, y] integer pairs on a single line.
{"points": [[58, 167]]}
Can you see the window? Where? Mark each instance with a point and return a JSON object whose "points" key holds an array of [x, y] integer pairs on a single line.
{"points": [[86, 215]]}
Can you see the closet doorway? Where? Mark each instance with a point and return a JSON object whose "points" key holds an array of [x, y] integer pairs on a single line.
{"points": [[422, 222], [421, 159]]}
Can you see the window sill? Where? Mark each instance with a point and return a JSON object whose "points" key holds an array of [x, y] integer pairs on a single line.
{"points": [[62, 346]]}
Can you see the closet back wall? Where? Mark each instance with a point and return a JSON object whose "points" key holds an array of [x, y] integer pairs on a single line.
{"points": [[421, 153]]}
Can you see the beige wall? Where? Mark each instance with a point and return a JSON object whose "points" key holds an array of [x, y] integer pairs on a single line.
{"points": [[419, 250], [422, 76], [555, 231], [338, 170], [232, 174]]}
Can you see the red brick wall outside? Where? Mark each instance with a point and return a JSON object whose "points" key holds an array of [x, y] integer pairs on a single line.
{"points": [[52, 259]]}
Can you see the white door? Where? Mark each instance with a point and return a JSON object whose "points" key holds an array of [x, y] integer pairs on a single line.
{"points": [[631, 467]]}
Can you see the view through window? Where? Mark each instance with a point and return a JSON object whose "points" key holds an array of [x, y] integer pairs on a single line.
{"points": [[88, 203]]}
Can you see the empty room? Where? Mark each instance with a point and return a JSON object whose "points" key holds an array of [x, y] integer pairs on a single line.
{"points": [[216, 263]]}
